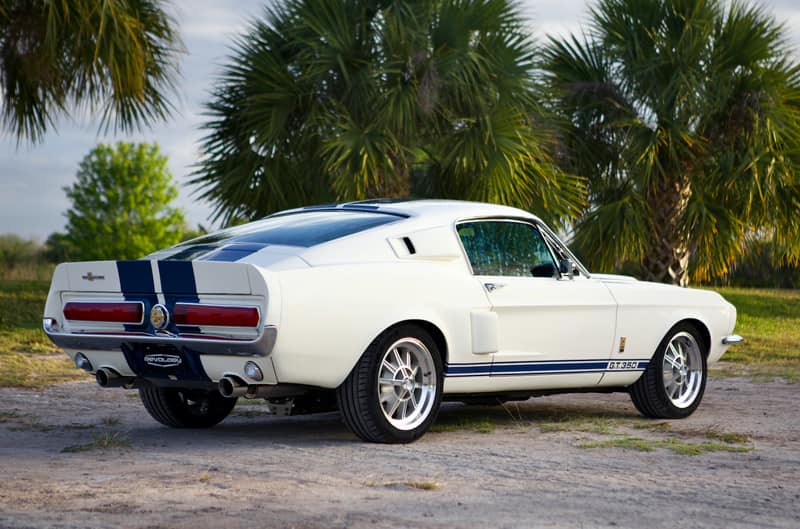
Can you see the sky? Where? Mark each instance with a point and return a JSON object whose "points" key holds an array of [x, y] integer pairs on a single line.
{"points": [[32, 177]]}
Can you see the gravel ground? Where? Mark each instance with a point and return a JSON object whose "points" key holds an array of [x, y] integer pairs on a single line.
{"points": [[259, 471]]}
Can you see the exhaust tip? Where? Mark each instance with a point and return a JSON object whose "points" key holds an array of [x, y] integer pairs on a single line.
{"points": [[230, 387], [103, 377], [81, 362]]}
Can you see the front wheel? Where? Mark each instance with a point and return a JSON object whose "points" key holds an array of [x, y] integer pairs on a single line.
{"points": [[185, 408], [673, 384], [394, 391]]}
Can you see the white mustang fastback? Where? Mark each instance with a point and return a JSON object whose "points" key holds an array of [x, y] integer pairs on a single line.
{"points": [[381, 309]]}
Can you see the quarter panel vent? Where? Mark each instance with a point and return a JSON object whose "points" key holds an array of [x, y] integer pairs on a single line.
{"points": [[409, 245]]}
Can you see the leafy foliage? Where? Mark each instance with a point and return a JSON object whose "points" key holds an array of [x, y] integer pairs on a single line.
{"points": [[16, 251], [115, 56], [351, 99], [121, 204], [23, 259], [685, 118]]}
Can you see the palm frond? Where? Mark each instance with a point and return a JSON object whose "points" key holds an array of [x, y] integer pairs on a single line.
{"points": [[116, 57]]}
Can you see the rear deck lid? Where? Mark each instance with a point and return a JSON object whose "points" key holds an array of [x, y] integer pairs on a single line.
{"points": [[184, 278]]}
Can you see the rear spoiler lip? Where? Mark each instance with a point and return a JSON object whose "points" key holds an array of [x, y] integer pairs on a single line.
{"points": [[261, 346]]}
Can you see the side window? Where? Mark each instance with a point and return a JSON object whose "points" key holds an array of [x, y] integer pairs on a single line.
{"points": [[504, 248]]}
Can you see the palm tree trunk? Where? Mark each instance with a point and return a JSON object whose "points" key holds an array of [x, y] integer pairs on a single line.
{"points": [[667, 258]]}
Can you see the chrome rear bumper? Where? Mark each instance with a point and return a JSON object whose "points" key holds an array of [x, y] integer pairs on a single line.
{"points": [[261, 346]]}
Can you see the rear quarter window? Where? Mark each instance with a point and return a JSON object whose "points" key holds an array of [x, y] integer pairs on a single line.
{"points": [[298, 229]]}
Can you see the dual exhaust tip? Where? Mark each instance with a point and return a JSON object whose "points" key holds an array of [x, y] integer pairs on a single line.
{"points": [[228, 386]]}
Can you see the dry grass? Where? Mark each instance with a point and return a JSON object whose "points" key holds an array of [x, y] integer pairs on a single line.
{"points": [[27, 357], [472, 424], [104, 441], [422, 485], [418, 485], [679, 446]]}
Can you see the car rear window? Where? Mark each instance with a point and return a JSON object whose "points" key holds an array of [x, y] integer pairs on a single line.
{"points": [[297, 229]]}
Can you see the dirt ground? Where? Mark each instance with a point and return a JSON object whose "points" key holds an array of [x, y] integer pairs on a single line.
{"points": [[528, 467]]}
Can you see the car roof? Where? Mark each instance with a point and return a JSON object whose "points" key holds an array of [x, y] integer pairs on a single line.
{"points": [[440, 208]]}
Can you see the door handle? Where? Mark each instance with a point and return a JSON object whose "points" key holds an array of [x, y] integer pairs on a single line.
{"points": [[491, 287]]}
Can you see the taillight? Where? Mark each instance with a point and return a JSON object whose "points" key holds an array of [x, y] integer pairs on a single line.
{"points": [[221, 315], [115, 312]]}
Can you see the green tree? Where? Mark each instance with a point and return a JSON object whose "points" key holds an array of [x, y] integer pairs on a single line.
{"points": [[351, 99], [684, 115], [121, 204], [118, 57]]}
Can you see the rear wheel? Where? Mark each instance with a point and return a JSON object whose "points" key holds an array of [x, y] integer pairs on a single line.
{"points": [[394, 391], [673, 384], [185, 408]]}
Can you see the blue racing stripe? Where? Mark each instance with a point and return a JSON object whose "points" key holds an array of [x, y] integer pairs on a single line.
{"points": [[537, 368], [135, 277], [545, 367], [136, 283], [177, 279], [178, 285]]}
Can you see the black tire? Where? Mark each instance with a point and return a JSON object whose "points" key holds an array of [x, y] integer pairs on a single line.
{"points": [[649, 394], [185, 408], [360, 399]]}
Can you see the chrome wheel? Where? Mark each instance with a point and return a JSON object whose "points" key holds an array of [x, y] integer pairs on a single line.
{"points": [[682, 370], [407, 383]]}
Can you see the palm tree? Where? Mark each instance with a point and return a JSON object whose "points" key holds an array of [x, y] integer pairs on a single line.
{"points": [[118, 57], [684, 115], [351, 99]]}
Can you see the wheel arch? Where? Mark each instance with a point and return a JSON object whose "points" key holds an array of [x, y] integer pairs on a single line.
{"points": [[702, 330], [432, 329]]}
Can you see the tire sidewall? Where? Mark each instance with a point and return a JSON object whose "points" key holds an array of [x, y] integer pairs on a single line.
{"points": [[376, 352], [658, 362]]}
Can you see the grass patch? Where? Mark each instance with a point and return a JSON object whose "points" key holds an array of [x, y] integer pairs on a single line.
{"points": [[769, 320], [18, 369], [33, 426], [422, 485], [104, 441], [474, 424], [676, 445], [419, 485], [513, 415], [110, 421], [579, 423], [27, 357], [652, 426], [728, 437], [6, 416]]}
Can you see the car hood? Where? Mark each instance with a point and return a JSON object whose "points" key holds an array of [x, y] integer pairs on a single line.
{"points": [[614, 278]]}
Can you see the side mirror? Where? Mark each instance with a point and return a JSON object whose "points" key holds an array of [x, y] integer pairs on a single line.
{"points": [[543, 270], [567, 267]]}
